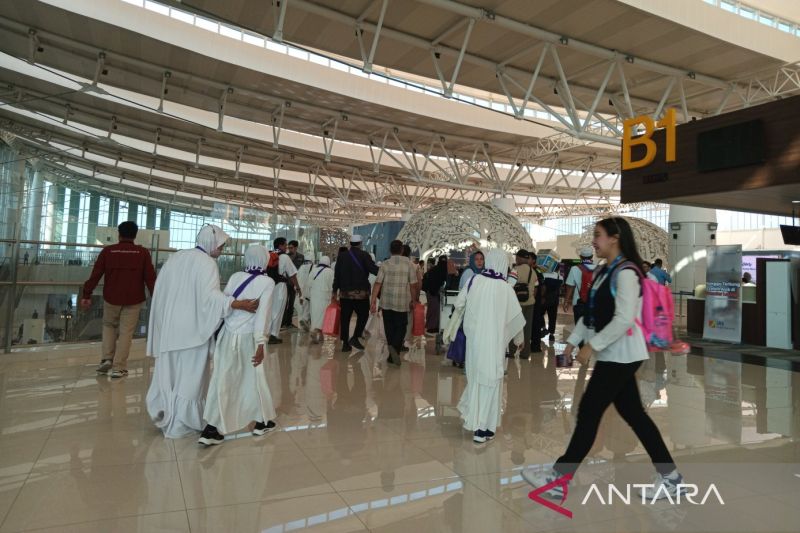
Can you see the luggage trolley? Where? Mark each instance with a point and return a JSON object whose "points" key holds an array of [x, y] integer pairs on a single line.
{"points": [[447, 303]]}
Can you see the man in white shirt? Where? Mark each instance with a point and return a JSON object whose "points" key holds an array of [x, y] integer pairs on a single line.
{"points": [[577, 280], [282, 273]]}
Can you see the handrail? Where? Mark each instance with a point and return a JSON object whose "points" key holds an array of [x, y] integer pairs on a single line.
{"points": [[96, 246]]}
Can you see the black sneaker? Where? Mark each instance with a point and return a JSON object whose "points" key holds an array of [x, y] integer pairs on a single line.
{"points": [[105, 366], [262, 429], [355, 343], [479, 437], [488, 435], [394, 356], [210, 436], [346, 347], [404, 349], [274, 340]]}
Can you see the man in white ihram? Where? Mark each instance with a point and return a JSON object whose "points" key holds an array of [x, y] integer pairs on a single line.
{"points": [[284, 273], [185, 314]]}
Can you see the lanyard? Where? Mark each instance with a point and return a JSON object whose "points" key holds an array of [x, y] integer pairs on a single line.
{"points": [[357, 262], [321, 270], [595, 286]]}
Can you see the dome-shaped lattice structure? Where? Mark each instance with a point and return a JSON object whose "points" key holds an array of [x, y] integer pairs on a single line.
{"points": [[459, 224], [653, 242]]}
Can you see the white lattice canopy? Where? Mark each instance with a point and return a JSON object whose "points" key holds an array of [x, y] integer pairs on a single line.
{"points": [[653, 242], [458, 224]]}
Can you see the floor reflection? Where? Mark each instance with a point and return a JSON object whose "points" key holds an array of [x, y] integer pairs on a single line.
{"points": [[366, 445]]}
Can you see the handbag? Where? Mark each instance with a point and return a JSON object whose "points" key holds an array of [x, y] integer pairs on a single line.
{"points": [[331, 319], [375, 327], [457, 351], [523, 289], [418, 324]]}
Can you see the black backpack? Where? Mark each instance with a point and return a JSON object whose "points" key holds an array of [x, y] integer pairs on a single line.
{"points": [[273, 268]]}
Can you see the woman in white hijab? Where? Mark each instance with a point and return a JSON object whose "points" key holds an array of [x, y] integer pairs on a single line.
{"points": [[492, 318], [186, 309], [302, 305], [320, 286], [239, 393]]}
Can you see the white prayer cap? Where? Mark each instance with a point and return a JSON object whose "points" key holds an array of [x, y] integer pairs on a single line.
{"points": [[210, 238], [256, 256], [586, 251], [497, 260], [356, 238], [325, 260]]}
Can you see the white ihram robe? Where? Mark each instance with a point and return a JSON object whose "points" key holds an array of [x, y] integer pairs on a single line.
{"points": [[492, 318], [281, 295], [239, 392], [320, 289], [186, 309], [302, 305]]}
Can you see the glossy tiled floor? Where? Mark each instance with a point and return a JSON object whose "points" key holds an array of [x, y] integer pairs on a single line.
{"points": [[363, 447]]}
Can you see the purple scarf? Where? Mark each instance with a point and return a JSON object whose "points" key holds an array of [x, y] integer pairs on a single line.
{"points": [[491, 274]]}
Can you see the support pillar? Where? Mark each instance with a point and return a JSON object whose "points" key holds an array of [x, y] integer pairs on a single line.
{"points": [[692, 229], [94, 217], [113, 212], [151, 217], [16, 182], [133, 211], [164, 222], [35, 205], [59, 199], [74, 216]]}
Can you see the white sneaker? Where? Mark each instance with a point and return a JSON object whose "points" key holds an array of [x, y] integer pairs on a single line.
{"points": [[663, 486], [536, 477]]}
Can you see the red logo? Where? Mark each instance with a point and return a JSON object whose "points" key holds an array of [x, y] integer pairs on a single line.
{"points": [[563, 482]]}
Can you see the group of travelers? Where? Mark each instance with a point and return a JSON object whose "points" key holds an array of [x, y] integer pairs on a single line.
{"points": [[501, 310]]}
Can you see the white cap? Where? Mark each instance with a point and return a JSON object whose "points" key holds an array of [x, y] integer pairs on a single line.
{"points": [[586, 251], [356, 238]]}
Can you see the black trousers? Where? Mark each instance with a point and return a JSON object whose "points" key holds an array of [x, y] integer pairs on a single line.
{"points": [[552, 317], [288, 313], [395, 324], [537, 325], [577, 311], [613, 383], [361, 309]]}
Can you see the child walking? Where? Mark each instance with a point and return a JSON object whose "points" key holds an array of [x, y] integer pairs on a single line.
{"points": [[239, 393]]}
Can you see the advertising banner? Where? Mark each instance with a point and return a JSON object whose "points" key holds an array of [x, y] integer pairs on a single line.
{"points": [[723, 316]]}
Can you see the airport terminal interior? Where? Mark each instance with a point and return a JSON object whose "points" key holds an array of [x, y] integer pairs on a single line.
{"points": [[349, 130]]}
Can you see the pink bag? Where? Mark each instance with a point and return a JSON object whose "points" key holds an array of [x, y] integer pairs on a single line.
{"points": [[418, 323], [331, 320], [658, 311]]}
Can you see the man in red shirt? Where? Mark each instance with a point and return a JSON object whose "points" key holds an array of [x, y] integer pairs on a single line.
{"points": [[127, 268]]}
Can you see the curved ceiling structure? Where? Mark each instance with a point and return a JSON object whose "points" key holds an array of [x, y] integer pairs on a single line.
{"points": [[111, 95]]}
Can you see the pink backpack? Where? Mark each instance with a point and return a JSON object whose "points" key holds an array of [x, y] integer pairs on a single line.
{"points": [[658, 311]]}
